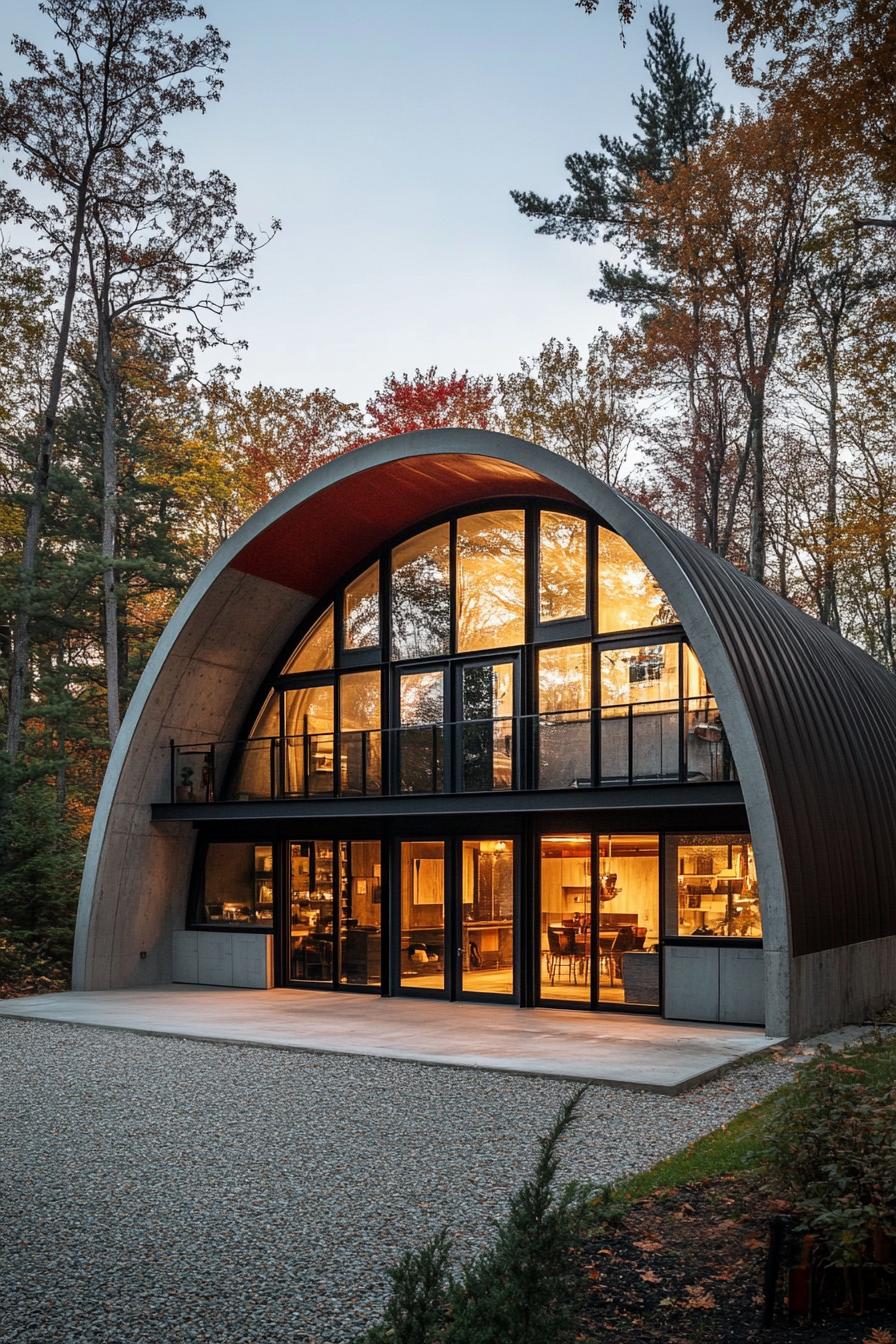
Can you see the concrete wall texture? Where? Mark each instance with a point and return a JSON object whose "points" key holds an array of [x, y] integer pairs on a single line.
{"points": [[207, 668]]}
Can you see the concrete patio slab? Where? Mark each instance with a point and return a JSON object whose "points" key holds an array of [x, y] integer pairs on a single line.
{"points": [[621, 1050]]}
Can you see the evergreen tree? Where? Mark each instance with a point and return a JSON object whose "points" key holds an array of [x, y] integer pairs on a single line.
{"points": [[674, 114]]}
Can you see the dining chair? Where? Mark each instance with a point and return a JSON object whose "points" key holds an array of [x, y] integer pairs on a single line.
{"points": [[562, 947]]}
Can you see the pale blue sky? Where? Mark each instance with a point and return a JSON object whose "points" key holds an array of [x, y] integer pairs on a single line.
{"points": [[386, 135]]}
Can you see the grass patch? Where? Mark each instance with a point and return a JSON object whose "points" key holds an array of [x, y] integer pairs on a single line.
{"points": [[738, 1146]]}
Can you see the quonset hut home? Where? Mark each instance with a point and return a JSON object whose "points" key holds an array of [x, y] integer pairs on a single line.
{"points": [[450, 717]]}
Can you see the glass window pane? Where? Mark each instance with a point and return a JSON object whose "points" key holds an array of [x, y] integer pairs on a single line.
{"points": [[629, 922], [311, 910], [564, 723], [361, 741], [628, 596], [239, 885], [361, 610], [487, 912], [422, 935], [566, 918], [491, 580], [717, 890], [486, 734], [640, 675], [646, 678], [421, 599], [315, 653], [361, 877], [256, 775], [562, 566], [308, 739], [421, 716]]}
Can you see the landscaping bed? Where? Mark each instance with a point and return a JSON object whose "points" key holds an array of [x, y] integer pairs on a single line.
{"points": [[687, 1265], [679, 1254]]}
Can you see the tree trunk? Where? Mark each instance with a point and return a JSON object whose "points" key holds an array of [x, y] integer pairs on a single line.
{"points": [[22, 626], [828, 605], [758, 519], [107, 381], [698, 481]]}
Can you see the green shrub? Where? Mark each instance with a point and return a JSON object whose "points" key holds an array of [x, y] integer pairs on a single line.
{"points": [[27, 965], [524, 1289], [832, 1150]]}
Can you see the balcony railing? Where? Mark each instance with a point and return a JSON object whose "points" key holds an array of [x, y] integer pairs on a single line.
{"points": [[662, 742]]}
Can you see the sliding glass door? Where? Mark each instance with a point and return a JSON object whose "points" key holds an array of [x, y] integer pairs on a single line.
{"points": [[456, 927], [598, 921], [331, 926]]}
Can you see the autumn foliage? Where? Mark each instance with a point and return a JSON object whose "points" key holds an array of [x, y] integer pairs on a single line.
{"points": [[429, 400]]}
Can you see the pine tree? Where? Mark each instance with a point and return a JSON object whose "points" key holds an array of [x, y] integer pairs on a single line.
{"points": [[674, 114]]}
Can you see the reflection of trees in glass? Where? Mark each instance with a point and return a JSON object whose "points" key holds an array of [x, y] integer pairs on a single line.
{"points": [[563, 561], [421, 698], [564, 679], [359, 705], [362, 610], [629, 597], [491, 580], [421, 600]]}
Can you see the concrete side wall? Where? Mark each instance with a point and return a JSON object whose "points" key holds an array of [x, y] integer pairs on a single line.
{"points": [[843, 984], [199, 686]]}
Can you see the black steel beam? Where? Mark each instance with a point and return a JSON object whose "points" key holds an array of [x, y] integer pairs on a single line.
{"points": [[688, 797]]}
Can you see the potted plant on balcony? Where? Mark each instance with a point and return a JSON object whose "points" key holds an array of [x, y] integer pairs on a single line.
{"points": [[185, 787]]}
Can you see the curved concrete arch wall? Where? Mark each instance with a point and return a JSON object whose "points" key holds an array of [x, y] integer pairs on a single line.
{"points": [[207, 666]]}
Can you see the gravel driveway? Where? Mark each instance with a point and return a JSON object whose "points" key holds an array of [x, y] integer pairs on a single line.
{"points": [[161, 1190]]}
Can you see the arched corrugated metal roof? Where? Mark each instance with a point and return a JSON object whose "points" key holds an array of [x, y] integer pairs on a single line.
{"points": [[824, 717]]}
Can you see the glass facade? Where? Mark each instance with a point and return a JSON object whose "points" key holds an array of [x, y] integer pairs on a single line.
{"points": [[360, 915], [512, 648], [360, 742], [640, 713], [309, 741], [316, 652], [487, 909], [564, 717], [430, 714]]}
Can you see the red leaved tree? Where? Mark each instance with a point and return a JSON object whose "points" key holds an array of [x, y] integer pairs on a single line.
{"points": [[429, 400]]}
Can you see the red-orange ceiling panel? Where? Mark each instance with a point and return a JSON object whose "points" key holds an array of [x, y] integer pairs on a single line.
{"points": [[310, 547]]}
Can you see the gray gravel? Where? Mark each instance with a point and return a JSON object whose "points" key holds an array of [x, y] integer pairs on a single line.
{"points": [[160, 1190]]}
